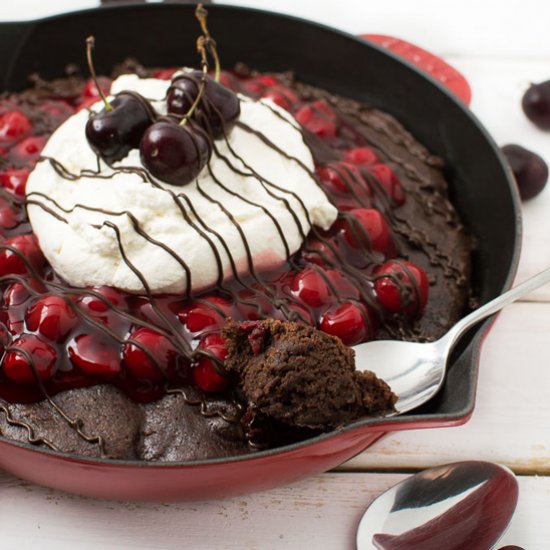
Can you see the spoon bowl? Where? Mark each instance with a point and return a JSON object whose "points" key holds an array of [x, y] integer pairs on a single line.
{"points": [[416, 371], [455, 506]]}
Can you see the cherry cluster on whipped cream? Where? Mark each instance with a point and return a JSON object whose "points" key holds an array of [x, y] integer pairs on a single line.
{"points": [[174, 147], [177, 147]]}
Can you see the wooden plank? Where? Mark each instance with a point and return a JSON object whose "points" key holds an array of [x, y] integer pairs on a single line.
{"points": [[510, 422], [322, 512]]}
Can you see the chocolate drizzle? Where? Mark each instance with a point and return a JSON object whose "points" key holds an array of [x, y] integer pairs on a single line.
{"points": [[31, 437], [415, 226]]}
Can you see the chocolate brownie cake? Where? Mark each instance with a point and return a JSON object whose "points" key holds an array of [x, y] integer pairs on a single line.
{"points": [[129, 371], [300, 376]]}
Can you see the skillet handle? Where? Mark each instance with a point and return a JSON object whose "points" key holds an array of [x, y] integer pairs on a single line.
{"points": [[426, 61], [12, 37]]}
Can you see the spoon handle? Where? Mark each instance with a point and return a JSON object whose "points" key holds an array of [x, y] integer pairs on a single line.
{"points": [[495, 305]]}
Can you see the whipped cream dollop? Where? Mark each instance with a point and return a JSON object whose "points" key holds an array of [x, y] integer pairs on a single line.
{"points": [[248, 208]]}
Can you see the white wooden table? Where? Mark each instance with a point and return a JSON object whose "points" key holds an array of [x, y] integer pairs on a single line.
{"points": [[500, 46]]}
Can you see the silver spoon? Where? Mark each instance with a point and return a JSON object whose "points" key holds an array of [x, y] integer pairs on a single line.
{"points": [[456, 506], [416, 371]]}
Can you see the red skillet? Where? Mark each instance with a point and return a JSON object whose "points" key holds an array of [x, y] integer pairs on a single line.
{"points": [[160, 35]]}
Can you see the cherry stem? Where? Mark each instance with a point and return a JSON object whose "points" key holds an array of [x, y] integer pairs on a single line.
{"points": [[201, 14], [90, 42], [201, 40]]}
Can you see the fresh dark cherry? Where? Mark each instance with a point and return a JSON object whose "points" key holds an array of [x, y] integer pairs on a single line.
{"points": [[347, 321], [36, 356], [174, 153], [205, 373], [530, 170], [52, 317], [218, 109], [536, 104], [401, 287], [182, 93], [113, 133], [156, 365], [14, 126]]}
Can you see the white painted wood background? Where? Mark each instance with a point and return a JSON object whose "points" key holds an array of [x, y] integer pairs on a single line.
{"points": [[500, 46]]}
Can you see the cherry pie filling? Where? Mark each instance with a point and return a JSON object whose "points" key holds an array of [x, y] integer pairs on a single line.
{"points": [[351, 281]]}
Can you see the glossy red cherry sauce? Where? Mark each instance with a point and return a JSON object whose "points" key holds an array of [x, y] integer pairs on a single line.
{"points": [[56, 337]]}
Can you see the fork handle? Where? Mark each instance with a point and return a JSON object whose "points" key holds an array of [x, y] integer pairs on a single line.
{"points": [[495, 305]]}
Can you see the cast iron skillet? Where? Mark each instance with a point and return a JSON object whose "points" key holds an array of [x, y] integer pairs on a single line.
{"points": [[482, 190]]}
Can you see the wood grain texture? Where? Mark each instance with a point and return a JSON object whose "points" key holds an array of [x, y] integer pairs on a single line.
{"points": [[511, 418], [322, 512]]}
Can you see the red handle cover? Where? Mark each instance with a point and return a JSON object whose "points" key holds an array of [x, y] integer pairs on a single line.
{"points": [[426, 61]]}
